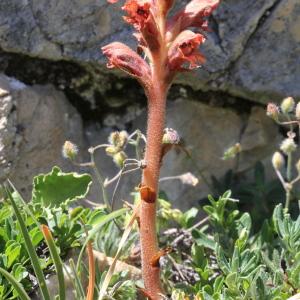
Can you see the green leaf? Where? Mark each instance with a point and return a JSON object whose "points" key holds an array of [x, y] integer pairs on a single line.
{"points": [[202, 240], [57, 188], [17, 286], [188, 217], [230, 280], [30, 249], [12, 251], [101, 222]]}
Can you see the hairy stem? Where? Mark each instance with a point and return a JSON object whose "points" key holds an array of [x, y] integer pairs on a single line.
{"points": [[156, 95], [148, 237]]}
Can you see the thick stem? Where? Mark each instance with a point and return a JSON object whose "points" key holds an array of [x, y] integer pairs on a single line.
{"points": [[148, 237]]}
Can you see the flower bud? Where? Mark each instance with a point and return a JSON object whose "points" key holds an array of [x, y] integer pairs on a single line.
{"points": [[69, 150], [118, 139], [277, 160], [297, 113], [232, 151], [273, 111], [170, 136], [287, 105], [119, 158], [189, 179], [111, 150], [288, 146]]}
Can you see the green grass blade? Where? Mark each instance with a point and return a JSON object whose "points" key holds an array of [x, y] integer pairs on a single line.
{"points": [[30, 249], [122, 242], [105, 219], [56, 260], [18, 287], [78, 286]]}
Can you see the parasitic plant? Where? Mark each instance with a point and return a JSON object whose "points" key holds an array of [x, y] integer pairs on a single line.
{"points": [[168, 46]]}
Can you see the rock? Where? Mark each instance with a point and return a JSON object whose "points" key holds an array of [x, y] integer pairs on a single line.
{"points": [[34, 123], [207, 132], [259, 139], [270, 64], [74, 30]]}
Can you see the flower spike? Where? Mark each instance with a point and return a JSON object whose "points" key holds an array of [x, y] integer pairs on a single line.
{"points": [[122, 57], [185, 50], [140, 13]]}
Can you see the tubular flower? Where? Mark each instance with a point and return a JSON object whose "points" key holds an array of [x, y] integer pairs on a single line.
{"points": [[194, 14], [141, 16], [184, 49], [122, 57], [138, 12]]}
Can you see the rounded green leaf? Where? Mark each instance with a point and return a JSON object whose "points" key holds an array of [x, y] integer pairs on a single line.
{"points": [[57, 188]]}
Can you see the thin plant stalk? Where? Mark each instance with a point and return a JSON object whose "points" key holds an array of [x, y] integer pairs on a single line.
{"points": [[56, 260], [289, 178], [92, 272], [100, 180], [30, 249], [170, 48]]}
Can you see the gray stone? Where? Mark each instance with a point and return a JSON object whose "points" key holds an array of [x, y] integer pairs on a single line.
{"points": [[207, 132], [270, 64], [253, 50], [34, 123]]}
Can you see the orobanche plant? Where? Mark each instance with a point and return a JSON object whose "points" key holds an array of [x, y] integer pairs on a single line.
{"points": [[168, 47]]}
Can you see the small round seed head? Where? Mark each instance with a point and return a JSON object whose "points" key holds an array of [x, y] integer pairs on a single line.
{"points": [[297, 112], [273, 111], [287, 105], [288, 146], [277, 160], [170, 136], [118, 138], [69, 150], [189, 179], [232, 151], [119, 158], [298, 166]]}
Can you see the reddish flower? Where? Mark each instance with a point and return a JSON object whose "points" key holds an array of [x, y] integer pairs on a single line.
{"points": [[167, 5], [184, 49], [140, 15], [192, 15], [138, 12], [122, 57]]}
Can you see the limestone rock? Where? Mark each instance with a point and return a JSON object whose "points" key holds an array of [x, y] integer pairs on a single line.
{"points": [[252, 51], [34, 123], [270, 64], [207, 132]]}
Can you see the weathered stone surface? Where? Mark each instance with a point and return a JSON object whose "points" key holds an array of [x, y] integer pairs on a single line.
{"points": [[207, 132], [253, 50], [34, 123], [270, 64]]}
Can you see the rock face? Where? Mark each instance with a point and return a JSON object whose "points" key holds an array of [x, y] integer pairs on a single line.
{"points": [[207, 132], [253, 54], [34, 123], [253, 50]]}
